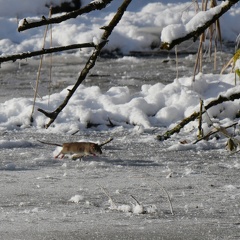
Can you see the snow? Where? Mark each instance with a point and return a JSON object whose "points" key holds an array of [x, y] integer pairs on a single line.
{"points": [[175, 31], [97, 1], [47, 198], [141, 25], [155, 105], [76, 199], [204, 16]]}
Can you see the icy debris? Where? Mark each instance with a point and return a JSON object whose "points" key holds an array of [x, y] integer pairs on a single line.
{"points": [[10, 167], [124, 208], [76, 199], [64, 165], [134, 208], [237, 165], [169, 175], [138, 209], [151, 209], [188, 171], [229, 187], [35, 210]]}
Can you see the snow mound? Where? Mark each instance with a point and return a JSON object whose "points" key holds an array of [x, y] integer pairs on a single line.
{"points": [[153, 106]]}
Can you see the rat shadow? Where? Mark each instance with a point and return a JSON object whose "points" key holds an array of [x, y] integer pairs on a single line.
{"points": [[119, 161]]}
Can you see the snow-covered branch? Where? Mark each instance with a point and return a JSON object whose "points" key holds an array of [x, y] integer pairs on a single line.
{"points": [[195, 115], [28, 23], [177, 33]]}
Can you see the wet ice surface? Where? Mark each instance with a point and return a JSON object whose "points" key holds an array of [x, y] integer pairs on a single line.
{"points": [[128, 71], [36, 189]]}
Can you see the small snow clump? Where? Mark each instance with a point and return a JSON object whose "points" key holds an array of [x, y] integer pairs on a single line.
{"points": [[76, 199]]}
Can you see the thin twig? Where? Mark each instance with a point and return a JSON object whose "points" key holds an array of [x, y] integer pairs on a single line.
{"points": [[38, 73], [215, 130], [51, 61], [176, 53], [135, 199], [168, 197], [200, 129], [113, 205], [198, 59], [35, 90]]}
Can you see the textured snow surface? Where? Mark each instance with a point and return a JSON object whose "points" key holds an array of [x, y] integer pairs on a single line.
{"points": [[44, 198]]}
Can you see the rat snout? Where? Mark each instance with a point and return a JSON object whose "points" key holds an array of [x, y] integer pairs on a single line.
{"points": [[100, 150], [96, 149]]}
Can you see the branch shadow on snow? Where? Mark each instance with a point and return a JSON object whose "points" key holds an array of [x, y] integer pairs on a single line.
{"points": [[13, 159], [33, 166]]}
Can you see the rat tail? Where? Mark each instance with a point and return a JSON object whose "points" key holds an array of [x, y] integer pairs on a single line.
{"points": [[106, 142], [54, 144]]}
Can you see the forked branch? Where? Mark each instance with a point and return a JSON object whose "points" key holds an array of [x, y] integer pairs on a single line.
{"points": [[90, 63]]}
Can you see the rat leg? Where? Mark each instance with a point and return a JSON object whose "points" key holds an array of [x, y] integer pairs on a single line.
{"points": [[59, 155], [77, 156]]}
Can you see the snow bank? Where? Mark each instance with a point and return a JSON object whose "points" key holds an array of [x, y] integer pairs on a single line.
{"points": [[155, 105]]}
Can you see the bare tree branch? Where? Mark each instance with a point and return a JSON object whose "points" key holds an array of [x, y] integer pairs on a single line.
{"points": [[196, 33], [195, 115], [215, 130], [45, 21], [90, 63], [25, 55]]}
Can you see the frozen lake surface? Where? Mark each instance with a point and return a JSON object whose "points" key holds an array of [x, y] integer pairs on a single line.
{"points": [[47, 198]]}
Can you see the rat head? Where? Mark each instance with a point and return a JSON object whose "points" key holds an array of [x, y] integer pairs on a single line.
{"points": [[95, 149]]}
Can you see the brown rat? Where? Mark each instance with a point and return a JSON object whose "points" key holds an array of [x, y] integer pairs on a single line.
{"points": [[79, 149]]}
